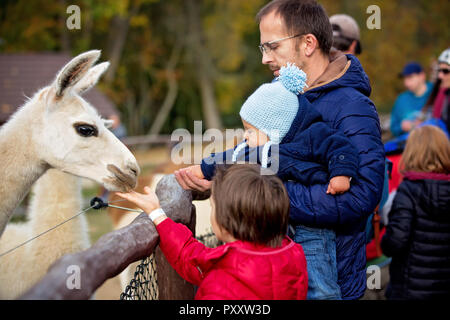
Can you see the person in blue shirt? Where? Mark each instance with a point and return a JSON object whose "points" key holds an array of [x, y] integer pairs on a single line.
{"points": [[407, 108]]}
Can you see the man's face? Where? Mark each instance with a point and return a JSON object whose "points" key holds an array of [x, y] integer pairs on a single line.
{"points": [[272, 28], [445, 78], [414, 81]]}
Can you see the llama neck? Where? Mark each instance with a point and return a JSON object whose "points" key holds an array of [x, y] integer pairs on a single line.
{"points": [[56, 197], [19, 166]]}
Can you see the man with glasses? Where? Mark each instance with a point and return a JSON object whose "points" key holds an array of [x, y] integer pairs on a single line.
{"points": [[299, 31]]}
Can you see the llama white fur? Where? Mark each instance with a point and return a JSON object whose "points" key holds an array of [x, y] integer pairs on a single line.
{"points": [[45, 133], [56, 197]]}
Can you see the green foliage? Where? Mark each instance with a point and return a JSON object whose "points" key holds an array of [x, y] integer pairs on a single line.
{"points": [[152, 29]]}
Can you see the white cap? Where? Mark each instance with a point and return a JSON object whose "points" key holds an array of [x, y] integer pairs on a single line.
{"points": [[445, 57]]}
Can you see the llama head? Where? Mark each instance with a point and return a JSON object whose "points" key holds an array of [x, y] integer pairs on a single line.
{"points": [[72, 136]]}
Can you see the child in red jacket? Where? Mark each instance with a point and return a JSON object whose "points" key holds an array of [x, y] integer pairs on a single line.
{"points": [[250, 214]]}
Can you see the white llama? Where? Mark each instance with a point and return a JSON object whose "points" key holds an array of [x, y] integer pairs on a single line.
{"points": [[58, 129], [56, 197]]}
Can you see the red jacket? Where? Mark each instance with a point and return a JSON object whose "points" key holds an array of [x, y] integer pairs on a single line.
{"points": [[237, 270]]}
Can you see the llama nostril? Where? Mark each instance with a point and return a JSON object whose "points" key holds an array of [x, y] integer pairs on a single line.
{"points": [[133, 169]]}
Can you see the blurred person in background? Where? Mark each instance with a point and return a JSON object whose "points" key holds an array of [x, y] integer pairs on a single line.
{"points": [[418, 233], [408, 106], [346, 35], [441, 108]]}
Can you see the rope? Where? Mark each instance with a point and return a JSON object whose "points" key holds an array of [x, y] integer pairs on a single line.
{"points": [[52, 228]]}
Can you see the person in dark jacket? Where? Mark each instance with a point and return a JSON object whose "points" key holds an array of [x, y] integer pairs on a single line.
{"points": [[418, 233], [299, 31], [302, 148]]}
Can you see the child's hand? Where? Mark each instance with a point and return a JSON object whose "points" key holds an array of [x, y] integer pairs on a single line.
{"points": [[338, 185], [147, 201]]}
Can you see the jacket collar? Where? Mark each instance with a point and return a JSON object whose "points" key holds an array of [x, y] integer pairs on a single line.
{"points": [[335, 70], [426, 176]]}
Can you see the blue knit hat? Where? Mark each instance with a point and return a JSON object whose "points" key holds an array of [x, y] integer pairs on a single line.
{"points": [[273, 106]]}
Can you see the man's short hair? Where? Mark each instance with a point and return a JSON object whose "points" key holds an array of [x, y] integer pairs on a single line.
{"points": [[302, 17]]}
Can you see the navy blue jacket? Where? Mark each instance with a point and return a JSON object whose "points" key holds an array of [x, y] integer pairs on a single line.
{"points": [[310, 153], [343, 101]]}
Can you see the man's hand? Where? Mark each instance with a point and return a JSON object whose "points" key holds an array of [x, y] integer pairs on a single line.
{"points": [[191, 178], [338, 185]]}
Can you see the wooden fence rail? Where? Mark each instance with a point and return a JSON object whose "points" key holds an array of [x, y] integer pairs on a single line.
{"points": [[114, 251]]}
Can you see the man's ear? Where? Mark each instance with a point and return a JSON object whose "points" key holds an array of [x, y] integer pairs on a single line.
{"points": [[310, 44], [352, 47]]}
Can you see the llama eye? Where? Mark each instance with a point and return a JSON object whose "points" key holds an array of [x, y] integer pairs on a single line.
{"points": [[86, 130]]}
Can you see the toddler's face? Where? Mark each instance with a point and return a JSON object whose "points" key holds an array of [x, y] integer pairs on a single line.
{"points": [[254, 136]]}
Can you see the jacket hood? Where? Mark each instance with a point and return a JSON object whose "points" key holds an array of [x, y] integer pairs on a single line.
{"points": [[435, 195], [343, 71]]}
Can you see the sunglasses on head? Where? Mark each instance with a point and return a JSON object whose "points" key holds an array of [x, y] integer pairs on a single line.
{"points": [[444, 70]]}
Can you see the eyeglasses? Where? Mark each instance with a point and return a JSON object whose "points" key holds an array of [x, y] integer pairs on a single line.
{"points": [[444, 71], [267, 48]]}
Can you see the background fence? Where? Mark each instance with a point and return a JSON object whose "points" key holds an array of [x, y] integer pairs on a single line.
{"points": [[144, 285]]}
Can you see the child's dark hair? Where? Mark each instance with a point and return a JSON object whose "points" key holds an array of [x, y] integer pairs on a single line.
{"points": [[250, 206]]}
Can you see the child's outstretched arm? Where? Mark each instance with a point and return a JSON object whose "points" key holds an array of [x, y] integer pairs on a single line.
{"points": [[181, 249]]}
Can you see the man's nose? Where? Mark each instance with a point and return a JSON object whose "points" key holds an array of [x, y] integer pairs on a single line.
{"points": [[266, 58]]}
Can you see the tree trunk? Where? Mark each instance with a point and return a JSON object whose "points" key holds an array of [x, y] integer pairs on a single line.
{"points": [[203, 65], [117, 39], [172, 93]]}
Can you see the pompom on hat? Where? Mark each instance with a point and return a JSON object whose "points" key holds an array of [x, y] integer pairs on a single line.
{"points": [[273, 106]]}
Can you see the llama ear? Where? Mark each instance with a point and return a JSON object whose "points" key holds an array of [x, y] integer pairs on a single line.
{"points": [[74, 71], [108, 123], [91, 78]]}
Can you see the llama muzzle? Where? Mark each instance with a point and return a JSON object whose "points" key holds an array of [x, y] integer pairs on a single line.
{"points": [[125, 182]]}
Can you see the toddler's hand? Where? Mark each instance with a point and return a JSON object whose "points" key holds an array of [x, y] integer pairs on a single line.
{"points": [[338, 185], [147, 201], [196, 170]]}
